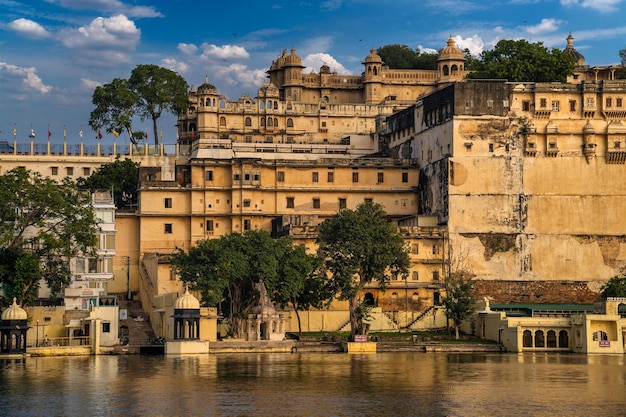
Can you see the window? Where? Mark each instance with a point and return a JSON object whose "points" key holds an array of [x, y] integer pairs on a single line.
{"points": [[54, 170], [280, 176], [491, 147], [331, 176], [247, 224], [609, 102], [368, 200], [405, 177], [246, 203], [209, 225], [86, 171], [435, 249], [237, 177], [415, 276], [168, 228], [525, 105], [246, 177], [355, 176], [543, 103], [222, 121], [435, 275], [291, 202], [248, 139], [248, 121], [106, 327], [415, 248], [618, 102], [290, 122], [490, 104], [572, 105], [168, 202], [316, 203], [209, 175], [381, 177], [314, 177], [590, 102], [70, 170], [342, 203], [555, 106]]}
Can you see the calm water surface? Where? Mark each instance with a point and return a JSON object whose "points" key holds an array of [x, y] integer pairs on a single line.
{"points": [[384, 384]]}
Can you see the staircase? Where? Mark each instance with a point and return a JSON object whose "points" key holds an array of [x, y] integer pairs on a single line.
{"points": [[137, 322], [419, 317]]}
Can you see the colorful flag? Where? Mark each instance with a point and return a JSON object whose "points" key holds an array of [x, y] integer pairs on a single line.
{"points": [[99, 134], [115, 133], [32, 133]]}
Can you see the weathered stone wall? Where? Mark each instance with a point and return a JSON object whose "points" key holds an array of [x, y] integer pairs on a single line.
{"points": [[538, 292]]}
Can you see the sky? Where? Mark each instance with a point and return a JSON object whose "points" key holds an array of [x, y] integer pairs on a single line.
{"points": [[53, 53]]}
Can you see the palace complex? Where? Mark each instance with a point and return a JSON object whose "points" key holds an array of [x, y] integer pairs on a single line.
{"points": [[519, 183]]}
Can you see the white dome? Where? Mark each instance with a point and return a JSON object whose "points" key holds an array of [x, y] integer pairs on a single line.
{"points": [[14, 312], [187, 301]]}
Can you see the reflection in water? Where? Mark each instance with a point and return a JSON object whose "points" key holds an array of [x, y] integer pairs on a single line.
{"points": [[387, 384]]}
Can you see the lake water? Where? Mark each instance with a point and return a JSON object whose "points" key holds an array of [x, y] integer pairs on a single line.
{"points": [[383, 384]]}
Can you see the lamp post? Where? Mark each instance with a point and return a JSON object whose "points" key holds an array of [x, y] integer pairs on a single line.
{"points": [[37, 340]]}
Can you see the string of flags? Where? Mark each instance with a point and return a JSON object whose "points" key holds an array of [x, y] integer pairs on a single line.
{"points": [[99, 134]]}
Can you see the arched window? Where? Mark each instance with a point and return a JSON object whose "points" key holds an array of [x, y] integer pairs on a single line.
{"points": [[563, 339], [455, 69], [270, 122], [394, 297], [289, 107], [269, 104], [375, 70], [551, 339], [527, 339], [539, 339], [261, 104], [262, 121], [415, 297], [290, 122], [368, 299], [222, 104], [276, 121], [222, 121], [208, 101], [248, 121]]}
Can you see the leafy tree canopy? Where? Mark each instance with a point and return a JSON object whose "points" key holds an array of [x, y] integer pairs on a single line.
{"points": [[459, 300], [358, 247], [122, 176], [615, 287], [226, 269], [398, 56], [42, 225], [520, 60], [148, 92]]}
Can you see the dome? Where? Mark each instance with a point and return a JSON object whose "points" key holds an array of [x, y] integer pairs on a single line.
{"points": [[324, 69], [373, 58], [14, 312], [570, 50], [207, 88], [451, 52], [293, 59], [187, 301], [588, 128]]}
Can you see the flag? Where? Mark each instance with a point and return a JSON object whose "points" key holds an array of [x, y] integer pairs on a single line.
{"points": [[64, 132], [99, 134], [49, 133], [81, 133], [161, 133], [146, 134], [115, 133], [32, 133], [14, 131]]}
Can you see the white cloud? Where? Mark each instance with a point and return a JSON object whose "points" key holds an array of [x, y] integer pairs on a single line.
{"points": [[331, 4], [89, 85], [546, 26], [424, 50], [174, 65], [316, 60], [28, 75], [187, 48], [29, 28], [110, 7], [224, 52], [475, 44], [116, 31], [239, 75], [604, 6]]}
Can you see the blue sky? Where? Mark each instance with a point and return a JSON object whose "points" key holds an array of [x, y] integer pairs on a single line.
{"points": [[53, 53]]}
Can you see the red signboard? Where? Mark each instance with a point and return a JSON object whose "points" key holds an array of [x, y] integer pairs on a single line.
{"points": [[605, 343], [360, 338]]}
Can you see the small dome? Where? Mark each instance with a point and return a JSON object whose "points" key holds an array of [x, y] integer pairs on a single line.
{"points": [[187, 301], [588, 128], [207, 88], [451, 51], [14, 312], [293, 59], [570, 50], [324, 69], [373, 58]]}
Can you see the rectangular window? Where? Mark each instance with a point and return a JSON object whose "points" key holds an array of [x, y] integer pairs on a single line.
{"points": [[86, 171], [556, 106], [106, 327], [209, 175], [415, 248], [246, 177], [209, 225], [543, 103], [280, 176], [246, 202], [248, 139], [490, 104], [435, 275], [415, 276], [342, 203], [381, 177], [314, 177], [590, 102], [70, 171], [331, 176], [609, 102], [247, 224], [291, 202], [435, 249], [405, 177], [316, 203], [618, 102], [168, 228], [168, 202], [491, 147], [572, 105], [368, 200], [355, 176], [54, 170], [525, 105], [237, 177]]}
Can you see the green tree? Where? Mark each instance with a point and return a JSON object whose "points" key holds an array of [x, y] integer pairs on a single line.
{"points": [[44, 221], [158, 89], [358, 247], [115, 108], [520, 60], [122, 176], [615, 287], [226, 269], [148, 92], [398, 56], [459, 301]]}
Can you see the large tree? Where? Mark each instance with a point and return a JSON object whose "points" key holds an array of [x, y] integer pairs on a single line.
{"points": [[42, 225], [122, 176], [225, 271], [398, 56], [520, 60], [615, 287], [148, 92], [358, 247], [159, 89]]}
